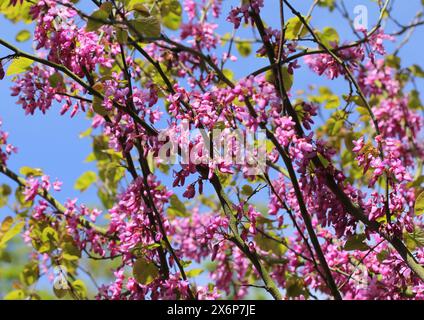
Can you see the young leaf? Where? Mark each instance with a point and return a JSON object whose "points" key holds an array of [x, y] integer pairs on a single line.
{"points": [[96, 20], [144, 271], [80, 289], [171, 13], [329, 37], [5, 191], [6, 224], [356, 242], [15, 295], [23, 35], [419, 204], [415, 239], [31, 273], [246, 190], [28, 171], [244, 48], [177, 208], [295, 28], [98, 106], [12, 232], [56, 79], [146, 26], [194, 273], [18, 65], [85, 180]]}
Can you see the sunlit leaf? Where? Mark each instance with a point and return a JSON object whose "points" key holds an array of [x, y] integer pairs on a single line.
{"points": [[28, 171], [18, 65], [12, 232], [145, 26], [171, 13], [244, 48], [295, 28], [356, 242], [85, 180], [23, 35], [15, 295]]}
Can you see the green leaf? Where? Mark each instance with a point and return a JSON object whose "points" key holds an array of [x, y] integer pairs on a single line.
{"points": [[49, 235], [98, 106], [146, 26], [383, 255], [121, 35], [85, 180], [414, 100], [287, 78], [295, 287], [295, 29], [96, 20], [333, 102], [86, 133], [15, 295], [144, 272], [393, 61], [139, 8], [80, 289], [330, 4], [70, 251], [244, 48], [18, 65], [177, 208], [247, 190], [270, 245], [19, 12], [153, 246], [194, 273], [417, 71], [419, 204], [171, 13], [56, 79], [326, 96], [107, 6], [12, 232], [5, 191], [228, 74], [28, 171], [31, 273], [356, 242], [150, 161], [338, 124], [185, 263], [23, 35], [415, 239], [329, 37], [5, 225]]}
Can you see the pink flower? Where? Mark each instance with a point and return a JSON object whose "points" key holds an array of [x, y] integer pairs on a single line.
{"points": [[31, 189], [190, 191]]}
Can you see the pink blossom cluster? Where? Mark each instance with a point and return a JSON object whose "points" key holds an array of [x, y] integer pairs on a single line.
{"points": [[40, 94], [66, 44], [238, 14], [6, 149], [324, 63]]}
